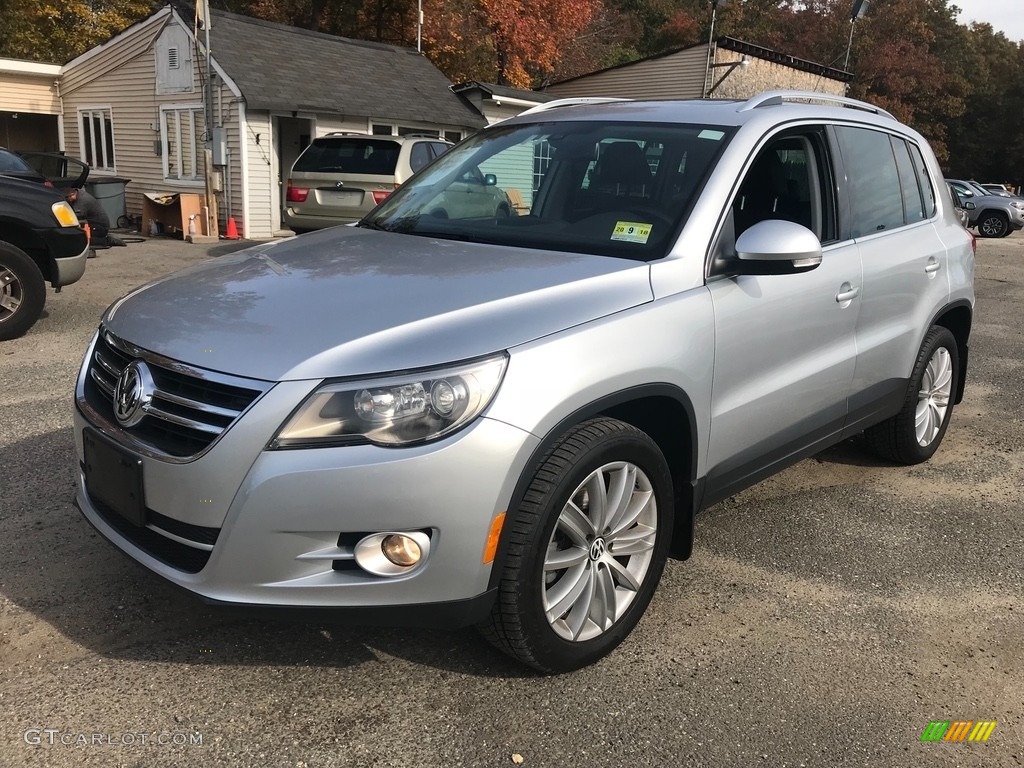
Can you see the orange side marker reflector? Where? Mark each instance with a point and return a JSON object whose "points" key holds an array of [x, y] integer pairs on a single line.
{"points": [[493, 537]]}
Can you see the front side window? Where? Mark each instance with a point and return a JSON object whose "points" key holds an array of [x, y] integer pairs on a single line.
{"points": [[96, 129], [873, 182], [615, 189], [787, 181], [181, 131]]}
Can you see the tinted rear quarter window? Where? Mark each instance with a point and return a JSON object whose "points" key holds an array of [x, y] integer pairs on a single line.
{"points": [[909, 181], [927, 190], [349, 155], [876, 199]]}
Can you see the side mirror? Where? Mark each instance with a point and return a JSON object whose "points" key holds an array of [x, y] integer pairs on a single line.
{"points": [[776, 241], [969, 206], [490, 180]]}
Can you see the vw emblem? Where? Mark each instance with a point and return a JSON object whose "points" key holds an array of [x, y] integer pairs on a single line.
{"points": [[597, 549], [133, 393]]}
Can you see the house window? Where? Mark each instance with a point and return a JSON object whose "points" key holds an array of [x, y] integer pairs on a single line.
{"points": [[97, 133], [453, 136], [181, 131], [379, 129]]}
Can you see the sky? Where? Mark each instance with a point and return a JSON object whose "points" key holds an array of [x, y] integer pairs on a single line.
{"points": [[1004, 15]]}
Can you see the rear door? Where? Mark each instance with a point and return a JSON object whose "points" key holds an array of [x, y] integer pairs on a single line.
{"points": [[891, 214]]}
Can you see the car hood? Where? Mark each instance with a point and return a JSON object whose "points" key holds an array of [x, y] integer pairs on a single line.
{"points": [[351, 301]]}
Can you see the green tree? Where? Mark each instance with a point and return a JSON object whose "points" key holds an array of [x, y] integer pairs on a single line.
{"points": [[59, 30]]}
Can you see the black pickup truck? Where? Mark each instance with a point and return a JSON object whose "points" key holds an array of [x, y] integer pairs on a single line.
{"points": [[40, 242]]}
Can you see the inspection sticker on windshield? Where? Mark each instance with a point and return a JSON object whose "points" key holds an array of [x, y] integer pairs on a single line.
{"points": [[631, 232]]}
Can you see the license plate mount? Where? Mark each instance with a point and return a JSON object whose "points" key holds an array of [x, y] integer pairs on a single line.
{"points": [[114, 477]]}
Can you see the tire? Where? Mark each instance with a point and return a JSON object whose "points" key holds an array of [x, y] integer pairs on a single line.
{"points": [[22, 292], [993, 224], [914, 434], [597, 597]]}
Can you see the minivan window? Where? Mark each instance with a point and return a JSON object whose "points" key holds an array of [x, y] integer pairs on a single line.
{"points": [[349, 155], [419, 156], [873, 182]]}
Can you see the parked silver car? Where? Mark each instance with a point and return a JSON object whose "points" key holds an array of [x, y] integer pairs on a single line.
{"points": [[512, 422], [993, 215]]}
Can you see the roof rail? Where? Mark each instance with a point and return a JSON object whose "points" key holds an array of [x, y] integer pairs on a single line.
{"points": [[576, 101], [774, 98], [345, 133]]}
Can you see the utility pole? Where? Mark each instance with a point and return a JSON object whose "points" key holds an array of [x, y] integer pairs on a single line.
{"points": [[711, 41]]}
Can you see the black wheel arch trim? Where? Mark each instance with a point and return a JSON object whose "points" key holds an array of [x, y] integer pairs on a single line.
{"points": [[963, 343], [687, 488]]}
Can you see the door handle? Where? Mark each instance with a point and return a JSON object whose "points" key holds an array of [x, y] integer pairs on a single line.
{"points": [[846, 293], [933, 266]]}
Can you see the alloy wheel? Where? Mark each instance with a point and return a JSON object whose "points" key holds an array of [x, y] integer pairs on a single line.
{"points": [[11, 293], [933, 397], [600, 551]]}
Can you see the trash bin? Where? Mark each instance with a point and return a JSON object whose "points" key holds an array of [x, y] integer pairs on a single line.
{"points": [[109, 193]]}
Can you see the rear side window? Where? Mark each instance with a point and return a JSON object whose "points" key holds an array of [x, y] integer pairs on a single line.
{"points": [[11, 162], [349, 155], [873, 183], [909, 181], [923, 179], [420, 155]]}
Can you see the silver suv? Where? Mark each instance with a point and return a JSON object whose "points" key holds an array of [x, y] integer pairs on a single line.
{"points": [[994, 215], [340, 177], [513, 422]]}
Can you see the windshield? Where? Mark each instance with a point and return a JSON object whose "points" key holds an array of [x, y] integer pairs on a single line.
{"points": [[614, 189]]}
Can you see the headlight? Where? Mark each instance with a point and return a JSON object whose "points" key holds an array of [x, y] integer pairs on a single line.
{"points": [[1018, 204], [394, 410], [64, 214]]}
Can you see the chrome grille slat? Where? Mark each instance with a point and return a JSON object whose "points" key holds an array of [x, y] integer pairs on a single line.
{"points": [[196, 405], [106, 386], [190, 407], [108, 366], [182, 421]]}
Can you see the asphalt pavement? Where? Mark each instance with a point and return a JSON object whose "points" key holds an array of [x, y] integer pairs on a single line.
{"points": [[827, 616]]}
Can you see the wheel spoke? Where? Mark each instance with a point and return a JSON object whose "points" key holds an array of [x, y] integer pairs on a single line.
{"points": [[620, 494], [603, 605], [10, 302], [561, 559], [575, 524], [637, 505], [564, 593], [580, 612], [621, 574], [635, 541], [597, 494]]}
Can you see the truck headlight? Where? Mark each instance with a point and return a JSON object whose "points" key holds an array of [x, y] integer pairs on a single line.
{"points": [[394, 410]]}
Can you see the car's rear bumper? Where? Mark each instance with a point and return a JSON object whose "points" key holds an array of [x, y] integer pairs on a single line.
{"points": [[304, 221]]}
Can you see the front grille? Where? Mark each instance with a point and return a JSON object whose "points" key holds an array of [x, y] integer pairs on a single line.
{"points": [[190, 408], [173, 553]]}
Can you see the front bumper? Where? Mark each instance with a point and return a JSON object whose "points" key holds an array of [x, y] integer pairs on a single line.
{"points": [[282, 522], [68, 248]]}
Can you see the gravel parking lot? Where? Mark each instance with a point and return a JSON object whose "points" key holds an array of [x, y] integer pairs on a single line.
{"points": [[827, 615]]}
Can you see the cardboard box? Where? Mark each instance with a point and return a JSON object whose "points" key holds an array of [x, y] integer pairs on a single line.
{"points": [[172, 212]]}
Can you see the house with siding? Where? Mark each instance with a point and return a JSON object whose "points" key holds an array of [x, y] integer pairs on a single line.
{"points": [[134, 106], [727, 69], [30, 114]]}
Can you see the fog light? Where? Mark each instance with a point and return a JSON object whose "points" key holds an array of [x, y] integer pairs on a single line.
{"points": [[401, 550], [392, 553]]}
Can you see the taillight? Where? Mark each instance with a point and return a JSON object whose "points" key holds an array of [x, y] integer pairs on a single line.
{"points": [[380, 195], [48, 183], [296, 194]]}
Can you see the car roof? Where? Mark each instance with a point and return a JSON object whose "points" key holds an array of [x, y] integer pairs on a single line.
{"points": [[771, 107]]}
